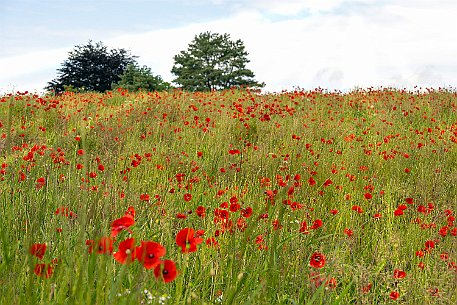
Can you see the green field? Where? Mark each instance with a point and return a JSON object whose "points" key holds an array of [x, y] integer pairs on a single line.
{"points": [[305, 197]]}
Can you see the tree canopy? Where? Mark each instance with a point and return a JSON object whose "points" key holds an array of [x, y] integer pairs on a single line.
{"points": [[91, 67], [136, 77], [213, 62]]}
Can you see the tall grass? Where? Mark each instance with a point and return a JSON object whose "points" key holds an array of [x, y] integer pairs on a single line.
{"points": [[377, 167]]}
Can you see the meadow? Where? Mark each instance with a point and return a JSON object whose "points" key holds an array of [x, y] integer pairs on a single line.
{"points": [[230, 197]]}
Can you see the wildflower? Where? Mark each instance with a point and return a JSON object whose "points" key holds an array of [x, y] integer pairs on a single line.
{"points": [[105, 246], [398, 212], [357, 208], [201, 211], [211, 242], [348, 232], [120, 224], [43, 270], [247, 212], [394, 295], [90, 245], [187, 197], [181, 216], [40, 182], [166, 270], [327, 182], [126, 253], [304, 228], [399, 274], [234, 207], [317, 260], [149, 253], [367, 288], [187, 241], [311, 181], [429, 244], [144, 197], [316, 224], [38, 250]]}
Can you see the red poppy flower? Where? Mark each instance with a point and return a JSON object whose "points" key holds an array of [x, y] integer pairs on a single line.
{"points": [[367, 288], [348, 232], [311, 181], [126, 253], [234, 151], [317, 260], [269, 193], [187, 241], [43, 270], [399, 274], [429, 244], [304, 228], [234, 207], [144, 197], [166, 271], [90, 244], [247, 212], [120, 224], [105, 246], [201, 211], [130, 211], [368, 196], [211, 242], [187, 197], [316, 224], [327, 182], [420, 253], [357, 208], [181, 216], [394, 295], [398, 212], [38, 250], [149, 253]]}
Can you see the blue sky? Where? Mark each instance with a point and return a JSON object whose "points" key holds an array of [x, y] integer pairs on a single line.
{"points": [[338, 44]]}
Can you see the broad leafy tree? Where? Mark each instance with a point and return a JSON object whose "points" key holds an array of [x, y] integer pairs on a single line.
{"points": [[213, 62], [135, 78], [91, 67]]}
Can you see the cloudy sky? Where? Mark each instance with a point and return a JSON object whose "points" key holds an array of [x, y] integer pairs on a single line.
{"points": [[336, 45]]}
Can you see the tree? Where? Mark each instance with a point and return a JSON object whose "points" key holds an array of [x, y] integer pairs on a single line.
{"points": [[213, 62], [135, 77], [91, 67]]}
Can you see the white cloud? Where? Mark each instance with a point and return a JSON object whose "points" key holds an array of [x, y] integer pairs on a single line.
{"points": [[397, 44]]}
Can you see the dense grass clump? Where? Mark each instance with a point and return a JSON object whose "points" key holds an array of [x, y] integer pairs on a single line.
{"points": [[231, 197]]}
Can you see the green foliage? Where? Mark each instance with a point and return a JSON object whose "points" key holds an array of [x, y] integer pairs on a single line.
{"points": [[91, 67], [135, 78], [213, 62]]}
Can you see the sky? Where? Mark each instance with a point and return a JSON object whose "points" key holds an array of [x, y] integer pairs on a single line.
{"points": [[335, 45]]}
